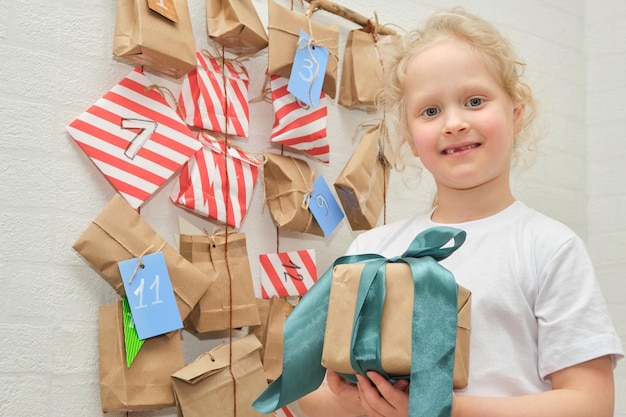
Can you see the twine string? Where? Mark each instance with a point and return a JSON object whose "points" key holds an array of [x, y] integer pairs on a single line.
{"points": [[130, 251], [162, 90], [228, 212]]}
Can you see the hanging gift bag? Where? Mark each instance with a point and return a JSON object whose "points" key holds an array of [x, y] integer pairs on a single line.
{"points": [[214, 96], [288, 185], [363, 65], [119, 233], [155, 34], [235, 25], [273, 352], [283, 34], [230, 301], [297, 126], [146, 384], [363, 182], [217, 182], [260, 331], [221, 382], [134, 138]]}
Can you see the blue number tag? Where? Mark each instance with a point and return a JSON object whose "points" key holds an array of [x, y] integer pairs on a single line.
{"points": [[308, 70], [150, 295], [324, 207]]}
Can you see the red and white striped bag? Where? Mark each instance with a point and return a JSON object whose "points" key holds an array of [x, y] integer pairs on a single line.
{"points": [[217, 182], [206, 91], [134, 138], [287, 273], [284, 412], [298, 127]]}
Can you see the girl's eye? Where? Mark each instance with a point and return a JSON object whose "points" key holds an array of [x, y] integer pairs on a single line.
{"points": [[430, 112], [475, 102]]}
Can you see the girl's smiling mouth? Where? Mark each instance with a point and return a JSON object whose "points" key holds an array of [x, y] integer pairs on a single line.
{"points": [[460, 148]]}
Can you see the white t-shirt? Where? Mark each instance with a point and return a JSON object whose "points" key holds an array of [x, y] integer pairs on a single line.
{"points": [[536, 305]]}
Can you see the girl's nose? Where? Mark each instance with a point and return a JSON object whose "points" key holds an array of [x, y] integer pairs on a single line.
{"points": [[455, 123]]}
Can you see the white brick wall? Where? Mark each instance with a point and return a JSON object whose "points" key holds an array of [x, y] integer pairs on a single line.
{"points": [[56, 60], [605, 45]]}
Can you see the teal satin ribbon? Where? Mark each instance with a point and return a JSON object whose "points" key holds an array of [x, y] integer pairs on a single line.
{"points": [[433, 328]]}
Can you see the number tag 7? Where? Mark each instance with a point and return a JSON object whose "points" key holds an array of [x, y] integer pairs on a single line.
{"points": [[150, 295]]}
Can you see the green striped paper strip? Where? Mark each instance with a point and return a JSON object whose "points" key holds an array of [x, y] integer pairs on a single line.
{"points": [[131, 340]]}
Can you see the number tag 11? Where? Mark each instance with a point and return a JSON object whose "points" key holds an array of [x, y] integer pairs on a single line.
{"points": [[150, 295]]}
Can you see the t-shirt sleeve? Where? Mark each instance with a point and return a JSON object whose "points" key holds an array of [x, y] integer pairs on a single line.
{"points": [[574, 325]]}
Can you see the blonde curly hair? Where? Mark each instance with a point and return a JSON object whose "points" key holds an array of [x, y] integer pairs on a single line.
{"points": [[497, 52]]}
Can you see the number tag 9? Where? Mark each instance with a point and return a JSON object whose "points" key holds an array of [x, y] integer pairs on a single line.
{"points": [[324, 207], [150, 295]]}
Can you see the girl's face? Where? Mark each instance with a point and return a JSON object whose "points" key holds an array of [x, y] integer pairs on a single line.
{"points": [[462, 123]]}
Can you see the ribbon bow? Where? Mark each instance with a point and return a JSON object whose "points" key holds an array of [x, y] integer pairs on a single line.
{"points": [[434, 324]]}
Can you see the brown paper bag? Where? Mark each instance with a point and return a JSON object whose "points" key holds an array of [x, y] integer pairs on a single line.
{"points": [[273, 353], [205, 387], [363, 182], [224, 258], [119, 233], [147, 384], [148, 38], [362, 70], [284, 32], [288, 181], [395, 326], [235, 25], [260, 331]]}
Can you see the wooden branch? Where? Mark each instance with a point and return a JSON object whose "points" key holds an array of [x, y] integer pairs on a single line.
{"points": [[348, 14]]}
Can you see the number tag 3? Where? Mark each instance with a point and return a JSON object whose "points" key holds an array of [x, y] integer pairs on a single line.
{"points": [[150, 295], [308, 70]]}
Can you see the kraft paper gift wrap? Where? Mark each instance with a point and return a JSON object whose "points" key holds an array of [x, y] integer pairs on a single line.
{"points": [[146, 384], [284, 32], [288, 181], [280, 309], [362, 184], [235, 25], [363, 66], [119, 233], [433, 325], [395, 326], [150, 39], [224, 258], [205, 386]]}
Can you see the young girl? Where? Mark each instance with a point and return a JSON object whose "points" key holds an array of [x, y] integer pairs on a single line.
{"points": [[542, 343]]}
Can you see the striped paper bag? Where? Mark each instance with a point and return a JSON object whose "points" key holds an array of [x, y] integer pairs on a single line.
{"points": [[134, 138], [214, 96], [287, 273], [298, 127], [217, 182], [284, 412]]}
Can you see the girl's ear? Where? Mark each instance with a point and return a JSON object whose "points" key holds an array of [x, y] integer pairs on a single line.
{"points": [[518, 118]]}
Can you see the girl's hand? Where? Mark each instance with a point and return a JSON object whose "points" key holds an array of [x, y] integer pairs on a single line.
{"points": [[380, 398], [346, 391]]}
